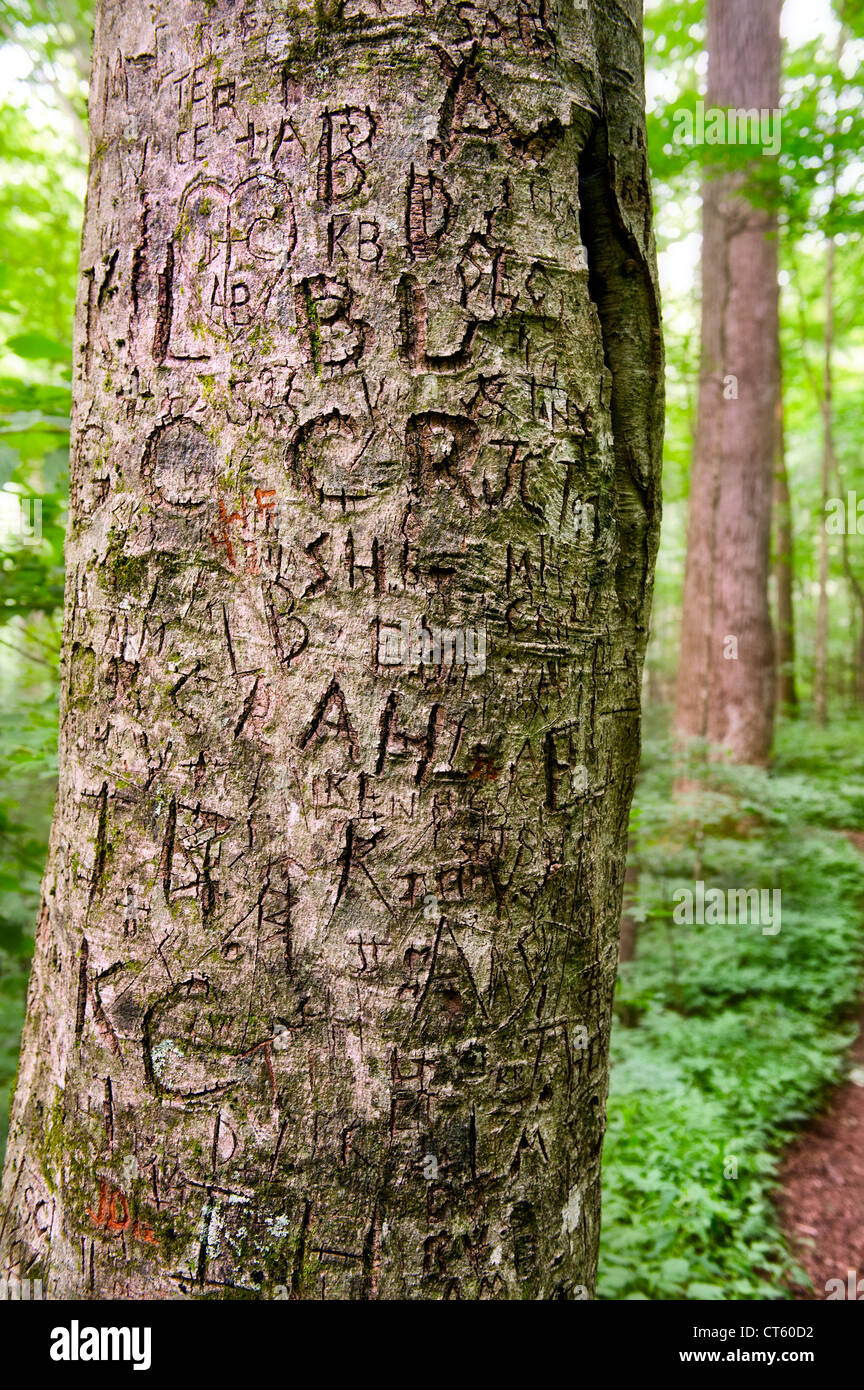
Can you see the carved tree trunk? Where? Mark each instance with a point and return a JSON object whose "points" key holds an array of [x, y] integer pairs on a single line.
{"points": [[726, 674], [366, 448]]}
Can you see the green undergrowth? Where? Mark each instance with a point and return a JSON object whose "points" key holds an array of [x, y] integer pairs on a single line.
{"points": [[726, 1040], [28, 769]]}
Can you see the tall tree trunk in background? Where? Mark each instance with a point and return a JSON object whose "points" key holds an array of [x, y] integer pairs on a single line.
{"points": [[726, 676], [629, 925], [856, 594], [365, 500], [820, 687], [784, 572]]}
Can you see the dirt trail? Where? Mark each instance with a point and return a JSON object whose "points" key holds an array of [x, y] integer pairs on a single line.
{"points": [[822, 1204]]}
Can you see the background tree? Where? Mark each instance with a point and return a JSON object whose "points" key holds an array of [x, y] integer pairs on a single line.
{"points": [[822, 206], [725, 690], [324, 963], [784, 576]]}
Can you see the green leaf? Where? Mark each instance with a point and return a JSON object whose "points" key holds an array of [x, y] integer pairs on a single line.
{"points": [[703, 1291], [39, 347]]}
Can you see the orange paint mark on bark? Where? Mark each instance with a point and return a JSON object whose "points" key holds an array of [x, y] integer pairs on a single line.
{"points": [[114, 1215]]}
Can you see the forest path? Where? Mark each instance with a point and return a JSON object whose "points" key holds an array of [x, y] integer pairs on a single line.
{"points": [[822, 1201]]}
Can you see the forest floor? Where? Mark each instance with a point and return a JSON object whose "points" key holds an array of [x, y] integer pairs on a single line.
{"points": [[733, 1148], [822, 1203]]}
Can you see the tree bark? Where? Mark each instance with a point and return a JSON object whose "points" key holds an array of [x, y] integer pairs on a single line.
{"points": [[367, 336], [725, 690]]}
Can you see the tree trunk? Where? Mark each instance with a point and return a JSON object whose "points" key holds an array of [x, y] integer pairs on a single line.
{"points": [[365, 499], [856, 591], [784, 572], [725, 691], [629, 925], [820, 691]]}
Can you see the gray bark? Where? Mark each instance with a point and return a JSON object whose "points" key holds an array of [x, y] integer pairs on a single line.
{"points": [[367, 334]]}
